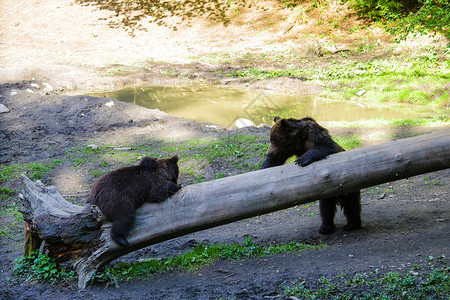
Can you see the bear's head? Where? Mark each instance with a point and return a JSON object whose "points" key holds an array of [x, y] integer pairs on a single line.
{"points": [[166, 168], [288, 137]]}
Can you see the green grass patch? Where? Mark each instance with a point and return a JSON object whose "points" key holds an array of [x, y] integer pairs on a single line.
{"points": [[413, 80], [349, 142], [34, 170], [38, 170], [10, 214], [197, 258], [6, 193], [436, 121], [430, 282], [257, 73]]}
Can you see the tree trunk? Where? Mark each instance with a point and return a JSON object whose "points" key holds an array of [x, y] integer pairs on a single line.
{"points": [[75, 233]]}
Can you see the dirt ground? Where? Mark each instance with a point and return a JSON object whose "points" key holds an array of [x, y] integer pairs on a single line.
{"points": [[51, 53]]}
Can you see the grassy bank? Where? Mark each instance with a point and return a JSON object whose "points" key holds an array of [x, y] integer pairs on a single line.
{"points": [[379, 75]]}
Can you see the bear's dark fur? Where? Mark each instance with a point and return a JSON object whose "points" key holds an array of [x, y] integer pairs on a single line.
{"points": [[118, 194], [311, 142]]}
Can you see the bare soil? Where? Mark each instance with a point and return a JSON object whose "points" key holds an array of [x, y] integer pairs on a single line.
{"points": [[50, 50]]}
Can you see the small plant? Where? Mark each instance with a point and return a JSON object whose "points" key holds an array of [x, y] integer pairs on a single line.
{"points": [[39, 266], [429, 182]]}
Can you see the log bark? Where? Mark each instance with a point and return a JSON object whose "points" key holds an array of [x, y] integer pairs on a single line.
{"points": [[76, 233]]}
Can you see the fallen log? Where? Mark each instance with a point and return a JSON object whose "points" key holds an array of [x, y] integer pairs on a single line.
{"points": [[79, 234]]}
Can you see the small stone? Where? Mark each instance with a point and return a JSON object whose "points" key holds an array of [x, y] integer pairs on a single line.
{"points": [[262, 125], [34, 85], [109, 104], [30, 91], [241, 123], [3, 109], [92, 146], [361, 92], [47, 88], [440, 220]]}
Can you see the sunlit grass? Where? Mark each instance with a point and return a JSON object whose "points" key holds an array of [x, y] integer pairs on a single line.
{"points": [[36, 170], [349, 142], [438, 121], [419, 79], [241, 153]]}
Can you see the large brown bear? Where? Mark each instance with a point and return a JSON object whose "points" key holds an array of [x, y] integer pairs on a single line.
{"points": [[118, 194], [311, 142]]}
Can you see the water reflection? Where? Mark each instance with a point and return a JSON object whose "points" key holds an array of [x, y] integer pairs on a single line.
{"points": [[221, 105]]}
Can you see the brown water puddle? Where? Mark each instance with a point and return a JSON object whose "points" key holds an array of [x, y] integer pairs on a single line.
{"points": [[222, 105]]}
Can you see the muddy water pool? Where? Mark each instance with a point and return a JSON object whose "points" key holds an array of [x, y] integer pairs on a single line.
{"points": [[223, 106]]}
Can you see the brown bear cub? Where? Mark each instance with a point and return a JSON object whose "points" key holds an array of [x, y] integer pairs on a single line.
{"points": [[311, 142], [118, 194]]}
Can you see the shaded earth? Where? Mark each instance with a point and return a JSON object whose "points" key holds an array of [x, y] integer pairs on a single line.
{"points": [[44, 69]]}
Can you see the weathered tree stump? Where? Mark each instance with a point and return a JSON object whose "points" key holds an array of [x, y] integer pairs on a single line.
{"points": [[78, 234]]}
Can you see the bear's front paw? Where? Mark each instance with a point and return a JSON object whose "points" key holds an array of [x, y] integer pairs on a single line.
{"points": [[326, 229], [172, 188], [302, 162]]}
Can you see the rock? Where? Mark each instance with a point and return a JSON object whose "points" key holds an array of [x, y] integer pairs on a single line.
{"points": [[109, 104], [241, 123], [361, 92], [262, 125], [92, 146], [47, 88], [3, 109], [331, 49]]}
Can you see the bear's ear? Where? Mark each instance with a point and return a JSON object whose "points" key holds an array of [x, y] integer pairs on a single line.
{"points": [[149, 163], [276, 119], [174, 159], [284, 123]]}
